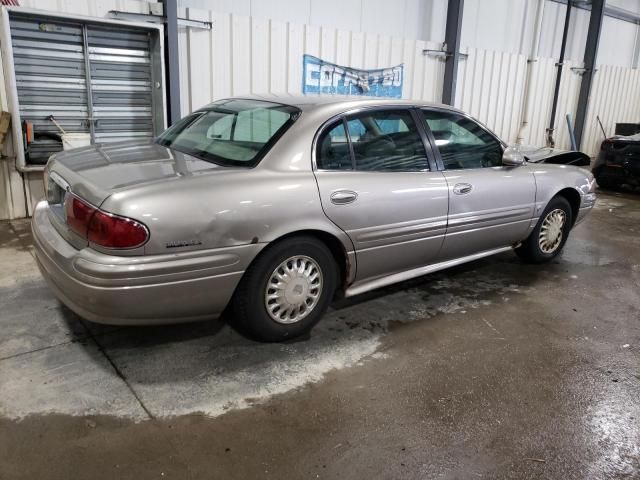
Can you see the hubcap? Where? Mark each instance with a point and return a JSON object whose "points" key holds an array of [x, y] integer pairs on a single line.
{"points": [[293, 289], [551, 231]]}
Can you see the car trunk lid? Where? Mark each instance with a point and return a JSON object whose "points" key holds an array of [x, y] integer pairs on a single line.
{"points": [[94, 173]]}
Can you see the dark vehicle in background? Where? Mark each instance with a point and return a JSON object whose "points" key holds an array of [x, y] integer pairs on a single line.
{"points": [[618, 162]]}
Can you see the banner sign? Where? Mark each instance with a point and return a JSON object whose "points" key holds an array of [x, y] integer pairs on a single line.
{"points": [[319, 76]]}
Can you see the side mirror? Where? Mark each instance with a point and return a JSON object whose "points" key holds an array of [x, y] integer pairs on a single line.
{"points": [[512, 157]]}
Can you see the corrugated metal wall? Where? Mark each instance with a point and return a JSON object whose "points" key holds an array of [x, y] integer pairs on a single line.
{"points": [[542, 86], [242, 55], [490, 87]]}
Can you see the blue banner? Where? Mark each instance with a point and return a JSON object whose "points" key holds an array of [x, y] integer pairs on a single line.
{"points": [[319, 76]]}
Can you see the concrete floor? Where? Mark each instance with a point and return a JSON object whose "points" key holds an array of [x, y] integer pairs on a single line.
{"points": [[491, 370]]}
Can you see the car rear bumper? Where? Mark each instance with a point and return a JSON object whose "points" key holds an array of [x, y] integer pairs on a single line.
{"points": [[138, 290], [619, 174]]}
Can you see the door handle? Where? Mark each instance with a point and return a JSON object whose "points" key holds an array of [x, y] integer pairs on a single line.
{"points": [[462, 188], [342, 197]]}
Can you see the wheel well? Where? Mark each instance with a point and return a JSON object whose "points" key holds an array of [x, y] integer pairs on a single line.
{"points": [[573, 197], [335, 247]]}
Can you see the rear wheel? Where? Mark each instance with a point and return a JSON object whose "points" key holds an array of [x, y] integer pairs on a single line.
{"points": [[285, 292], [550, 233]]}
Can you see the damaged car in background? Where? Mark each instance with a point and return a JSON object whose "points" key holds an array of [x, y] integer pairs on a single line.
{"points": [[618, 162], [555, 156], [269, 208]]}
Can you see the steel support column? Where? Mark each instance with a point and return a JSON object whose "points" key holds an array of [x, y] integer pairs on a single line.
{"points": [[590, 53], [559, 66], [452, 41], [172, 59], [636, 49]]}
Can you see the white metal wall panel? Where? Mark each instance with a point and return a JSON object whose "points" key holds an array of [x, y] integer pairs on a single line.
{"points": [[615, 97], [12, 189], [567, 103], [243, 55], [541, 90], [490, 88], [408, 18]]}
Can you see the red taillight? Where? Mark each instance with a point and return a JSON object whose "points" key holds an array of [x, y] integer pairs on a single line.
{"points": [[102, 228], [78, 214], [112, 231]]}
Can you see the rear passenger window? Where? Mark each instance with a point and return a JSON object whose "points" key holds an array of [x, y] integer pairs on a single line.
{"points": [[333, 149], [387, 140], [381, 141]]}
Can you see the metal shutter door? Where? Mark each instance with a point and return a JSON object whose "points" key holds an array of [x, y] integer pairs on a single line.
{"points": [[121, 83], [50, 79]]}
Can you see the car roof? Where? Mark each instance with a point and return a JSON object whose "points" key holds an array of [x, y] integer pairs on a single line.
{"points": [[313, 102]]}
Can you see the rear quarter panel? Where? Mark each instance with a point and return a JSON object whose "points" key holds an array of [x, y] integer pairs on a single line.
{"points": [[252, 206], [258, 205]]}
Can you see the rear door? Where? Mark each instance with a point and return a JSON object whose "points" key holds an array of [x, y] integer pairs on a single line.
{"points": [[378, 184], [490, 205]]}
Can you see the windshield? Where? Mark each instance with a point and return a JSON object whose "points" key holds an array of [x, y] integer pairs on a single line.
{"points": [[234, 132]]}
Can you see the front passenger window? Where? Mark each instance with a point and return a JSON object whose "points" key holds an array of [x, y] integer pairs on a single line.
{"points": [[462, 142]]}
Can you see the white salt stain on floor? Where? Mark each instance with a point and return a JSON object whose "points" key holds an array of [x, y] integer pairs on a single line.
{"points": [[208, 368]]}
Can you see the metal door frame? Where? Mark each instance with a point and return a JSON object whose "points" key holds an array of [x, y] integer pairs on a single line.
{"points": [[87, 79], [159, 115]]}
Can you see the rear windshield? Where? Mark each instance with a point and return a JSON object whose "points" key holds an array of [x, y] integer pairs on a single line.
{"points": [[230, 132]]}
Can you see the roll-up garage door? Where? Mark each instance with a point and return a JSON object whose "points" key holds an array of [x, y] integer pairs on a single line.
{"points": [[92, 78], [121, 83], [50, 78]]}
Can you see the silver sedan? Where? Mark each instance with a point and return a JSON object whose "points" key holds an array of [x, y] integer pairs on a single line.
{"points": [[271, 207]]}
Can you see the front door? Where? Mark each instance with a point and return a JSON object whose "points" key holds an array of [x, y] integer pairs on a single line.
{"points": [[377, 184], [490, 205]]}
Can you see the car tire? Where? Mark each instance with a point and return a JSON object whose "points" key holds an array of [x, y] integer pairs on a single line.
{"points": [[607, 184], [550, 233], [604, 182], [285, 291]]}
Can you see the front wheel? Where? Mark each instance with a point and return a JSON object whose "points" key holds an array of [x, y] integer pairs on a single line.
{"points": [[550, 233], [285, 292]]}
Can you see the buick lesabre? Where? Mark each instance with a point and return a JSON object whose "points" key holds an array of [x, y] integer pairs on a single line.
{"points": [[269, 208]]}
